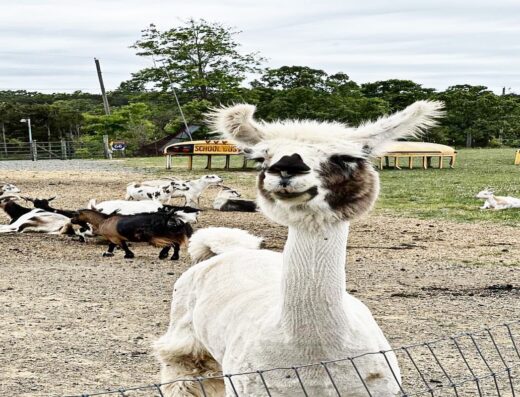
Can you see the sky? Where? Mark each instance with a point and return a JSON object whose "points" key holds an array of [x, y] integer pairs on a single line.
{"points": [[50, 45]]}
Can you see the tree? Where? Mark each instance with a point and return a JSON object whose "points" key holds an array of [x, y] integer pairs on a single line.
{"points": [[200, 57], [398, 93], [289, 77]]}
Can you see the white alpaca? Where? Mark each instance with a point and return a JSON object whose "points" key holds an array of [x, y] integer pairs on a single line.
{"points": [[248, 309], [497, 202]]}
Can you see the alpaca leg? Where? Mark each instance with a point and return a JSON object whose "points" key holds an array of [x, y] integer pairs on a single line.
{"points": [[181, 355]]}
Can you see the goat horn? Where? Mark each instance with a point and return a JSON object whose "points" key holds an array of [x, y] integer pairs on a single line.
{"points": [[52, 198], [27, 199]]}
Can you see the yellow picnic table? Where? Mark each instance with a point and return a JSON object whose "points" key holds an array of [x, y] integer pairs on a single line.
{"points": [[412, 150]]}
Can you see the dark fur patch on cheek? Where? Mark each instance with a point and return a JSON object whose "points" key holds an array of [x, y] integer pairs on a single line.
{"points": [[261, 189], [352, 185]]}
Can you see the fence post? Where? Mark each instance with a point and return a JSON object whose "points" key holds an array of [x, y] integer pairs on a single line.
{"points": [[106, 148], [63, 150], [34, 151]]}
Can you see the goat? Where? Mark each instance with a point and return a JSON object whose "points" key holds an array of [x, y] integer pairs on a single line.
{"points": [[162, 229], [13, 209], [8, 188], [162, 193], [497, 202], [44, 205], [228, 200], [196, 188], [39, 221]]}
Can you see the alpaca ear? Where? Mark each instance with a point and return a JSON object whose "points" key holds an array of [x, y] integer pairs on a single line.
{"points": [[408, 123], [236, 123]]}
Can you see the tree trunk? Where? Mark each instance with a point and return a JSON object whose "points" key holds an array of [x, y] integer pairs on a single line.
{"points": [[469, 139], [48, 136]]}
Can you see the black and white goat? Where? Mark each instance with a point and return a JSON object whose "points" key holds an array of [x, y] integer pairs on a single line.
{"points": [[229, 200], [164, 229], [162, 193], [44, 205], [24, 220], [12, 208]]}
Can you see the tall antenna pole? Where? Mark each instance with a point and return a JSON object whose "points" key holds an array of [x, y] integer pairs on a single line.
{"points": [[175, 95], [103, 93]]}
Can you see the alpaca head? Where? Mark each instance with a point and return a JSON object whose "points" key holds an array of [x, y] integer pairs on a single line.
{"points": [[318, 172]]}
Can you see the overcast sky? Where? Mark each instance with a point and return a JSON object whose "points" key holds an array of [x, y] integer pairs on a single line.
{"points": [[49, 45]]}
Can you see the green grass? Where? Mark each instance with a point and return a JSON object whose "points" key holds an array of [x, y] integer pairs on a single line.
{"points": [[449, 193], [433, 193]]}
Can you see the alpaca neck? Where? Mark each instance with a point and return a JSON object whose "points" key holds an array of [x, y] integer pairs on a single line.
{"points": [[313, 282]]}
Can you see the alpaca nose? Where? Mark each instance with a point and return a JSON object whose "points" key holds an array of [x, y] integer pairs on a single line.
{"points": [[290, 165]]}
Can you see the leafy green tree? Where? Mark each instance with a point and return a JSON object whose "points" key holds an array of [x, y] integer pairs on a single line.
{"points": [[398, 93], [201, 58], [289, 77]]}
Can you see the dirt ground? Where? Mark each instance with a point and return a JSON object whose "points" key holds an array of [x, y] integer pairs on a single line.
{"points": [[73, 321]]}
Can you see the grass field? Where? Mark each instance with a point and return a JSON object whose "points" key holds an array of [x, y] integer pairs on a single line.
{"points": [[432, 193]]}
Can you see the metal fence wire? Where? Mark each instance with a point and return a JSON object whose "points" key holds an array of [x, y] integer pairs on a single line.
{"points": [[482, 363]]}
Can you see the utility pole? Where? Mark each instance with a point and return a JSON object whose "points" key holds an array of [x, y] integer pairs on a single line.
{"points": [[3, 136], [103, 93]]}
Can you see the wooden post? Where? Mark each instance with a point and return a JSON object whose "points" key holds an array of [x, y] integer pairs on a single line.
{"points": [[425, 162], [410, 162], [381, 161], [244, 164], [34, 151], [190, 162], [396, 162], [3, 136], [440, 162], [63, 150], [208, 164], [168, 162], [226, 165]]}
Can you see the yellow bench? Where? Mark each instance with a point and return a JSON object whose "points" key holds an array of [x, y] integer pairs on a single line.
{"points": [[412, 150]]}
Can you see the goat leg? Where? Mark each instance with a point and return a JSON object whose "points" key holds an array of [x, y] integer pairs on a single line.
{"points": [[164, 253], [176, 248], [128, 254], [110, 251]]}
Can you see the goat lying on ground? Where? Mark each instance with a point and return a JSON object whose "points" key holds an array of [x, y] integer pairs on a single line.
{"points": [[497, 202], [196, 188], [228, 200], [162, 193], [124, 207], [8, 188], [13, 209], [162, 229], [25, 220], [44, 205]]}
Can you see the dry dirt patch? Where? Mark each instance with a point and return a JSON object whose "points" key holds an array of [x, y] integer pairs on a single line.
{"points": [[73, 321]]}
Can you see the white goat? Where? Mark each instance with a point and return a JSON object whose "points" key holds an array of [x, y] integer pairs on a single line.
{"points": [[8, 188], [196, 188], [40, 221], [497, 202]]}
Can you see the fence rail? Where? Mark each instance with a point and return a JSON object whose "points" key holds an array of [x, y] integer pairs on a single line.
{"points": [[482, 363], [63, 150]]}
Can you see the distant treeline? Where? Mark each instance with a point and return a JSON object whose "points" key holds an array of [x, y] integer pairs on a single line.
{"points": [[207, 70]]}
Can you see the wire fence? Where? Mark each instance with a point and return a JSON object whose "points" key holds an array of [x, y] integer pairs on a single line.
{"points": [[54, 150], [482, 363]]}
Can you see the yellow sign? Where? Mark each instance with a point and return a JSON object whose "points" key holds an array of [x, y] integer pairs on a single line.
{"points": [[214, 147]]}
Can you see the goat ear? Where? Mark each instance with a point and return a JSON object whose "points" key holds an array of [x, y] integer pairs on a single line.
{"points": [[27, 199], [52, 198], [237, 123], [408, 123]]}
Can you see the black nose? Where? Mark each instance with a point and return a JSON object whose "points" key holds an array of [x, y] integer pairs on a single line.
{"points": [[292, 165]]}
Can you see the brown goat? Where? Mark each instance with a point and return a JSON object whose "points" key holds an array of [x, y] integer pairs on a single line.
{"points": [[161, 229]]}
